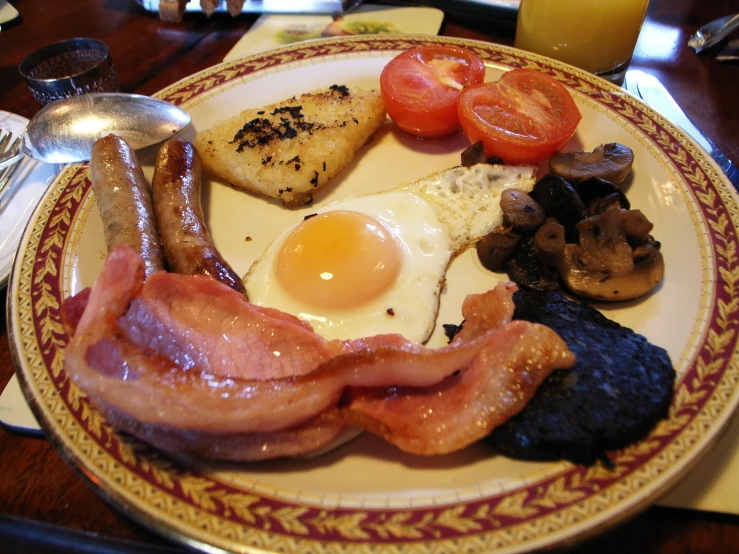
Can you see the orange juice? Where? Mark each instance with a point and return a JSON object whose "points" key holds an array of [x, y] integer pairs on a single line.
{"points": [[596, 35]]}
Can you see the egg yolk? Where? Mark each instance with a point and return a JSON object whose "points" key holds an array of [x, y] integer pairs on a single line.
{"points": [[338, 260]]}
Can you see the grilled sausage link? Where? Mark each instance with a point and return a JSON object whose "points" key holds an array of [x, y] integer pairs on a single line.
{"points": [[188, 247], [124, 200]]}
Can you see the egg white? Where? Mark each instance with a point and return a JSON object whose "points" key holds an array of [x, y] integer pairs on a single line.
{"points": [[432, 220]]}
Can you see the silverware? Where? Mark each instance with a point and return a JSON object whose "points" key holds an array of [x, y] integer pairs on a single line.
{"points": [[64, 131], [730, 53], [714, 32], [648, 88], [7, 173]]}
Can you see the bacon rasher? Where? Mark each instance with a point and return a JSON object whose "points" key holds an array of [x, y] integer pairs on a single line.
{"points": [[188, 364]]}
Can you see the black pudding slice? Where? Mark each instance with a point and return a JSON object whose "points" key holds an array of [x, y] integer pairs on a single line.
{"points": [[619, 388]]}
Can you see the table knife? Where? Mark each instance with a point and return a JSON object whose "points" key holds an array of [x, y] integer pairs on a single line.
{"points": [[650, 90]]}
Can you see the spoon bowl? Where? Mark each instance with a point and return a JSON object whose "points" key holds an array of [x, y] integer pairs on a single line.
{"points": [[64, 131]]}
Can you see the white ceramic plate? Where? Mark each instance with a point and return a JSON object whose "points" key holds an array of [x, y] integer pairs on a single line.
{"points": [[25, 189], [367, 496]]}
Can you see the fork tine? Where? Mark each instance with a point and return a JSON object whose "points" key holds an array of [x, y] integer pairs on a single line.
{"points": [[12, 154], [4, 139], [7, 173]]}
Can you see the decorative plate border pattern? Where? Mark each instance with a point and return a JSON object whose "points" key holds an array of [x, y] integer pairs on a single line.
{"points": [[198, 509]]}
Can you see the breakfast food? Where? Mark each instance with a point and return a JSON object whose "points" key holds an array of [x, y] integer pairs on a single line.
{"points": [[160, 368], [235, 7], [420, 87], [522, 118], [123, 197], [375, 264], [192, 367], [209, 6], [292, 149], [619, 388], [611, 162], [173, 10], [185, 239], [587, 240]]}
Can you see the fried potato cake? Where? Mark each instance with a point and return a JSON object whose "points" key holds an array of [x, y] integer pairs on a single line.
{"points": [[291, 149]]}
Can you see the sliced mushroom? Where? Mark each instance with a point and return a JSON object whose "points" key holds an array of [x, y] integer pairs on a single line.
{"points": [[592, 191], [636, 226], [611, 162], [604, 266], [527, 270], [599, 205], [560, 200], [549, 243], [475, 154], [521, 211], [495, 249]]}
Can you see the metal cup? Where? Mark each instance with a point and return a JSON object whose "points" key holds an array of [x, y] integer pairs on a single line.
{"points": [[69, 68]]}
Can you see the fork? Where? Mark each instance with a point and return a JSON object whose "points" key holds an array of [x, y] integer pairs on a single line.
{"points": [[7, 172]]}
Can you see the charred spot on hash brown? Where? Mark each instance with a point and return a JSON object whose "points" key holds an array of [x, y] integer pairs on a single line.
{"points": [[620, 387]]}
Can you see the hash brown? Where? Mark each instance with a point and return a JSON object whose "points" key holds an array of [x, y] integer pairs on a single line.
{"points": [[292, 149]]}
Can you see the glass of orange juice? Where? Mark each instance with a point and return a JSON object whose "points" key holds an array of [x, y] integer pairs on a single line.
{"points": [[596, 35]]}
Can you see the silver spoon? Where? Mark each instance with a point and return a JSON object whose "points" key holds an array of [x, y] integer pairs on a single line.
{"points": [[713, 32], [64, 131]]}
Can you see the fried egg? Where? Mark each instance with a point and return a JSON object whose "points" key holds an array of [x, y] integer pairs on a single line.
{"points": [[375, 264]]}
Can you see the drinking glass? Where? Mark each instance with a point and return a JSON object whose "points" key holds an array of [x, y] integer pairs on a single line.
{"points": [[598, 36]]}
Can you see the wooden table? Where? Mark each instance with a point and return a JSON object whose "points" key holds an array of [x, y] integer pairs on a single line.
{"points": [[45, 506]]}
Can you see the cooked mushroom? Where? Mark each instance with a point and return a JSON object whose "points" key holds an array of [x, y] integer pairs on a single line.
{"points": [[636, 226], [604, 266], [594, 190], [611, 162], [495, 249], [560, 200], [475, 154], [521, 211], [549, 243], [527, 270], [600, 205]]}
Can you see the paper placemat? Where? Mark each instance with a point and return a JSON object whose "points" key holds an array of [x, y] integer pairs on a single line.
{"points": [[14, 410], [271, 31], [7, 13], [714, 484]]}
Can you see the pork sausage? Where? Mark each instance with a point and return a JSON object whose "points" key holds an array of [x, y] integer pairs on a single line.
{"points": [[187, 245], [124, 199]]}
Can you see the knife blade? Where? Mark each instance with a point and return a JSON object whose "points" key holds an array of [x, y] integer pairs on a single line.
{"points": [[648, 88]]}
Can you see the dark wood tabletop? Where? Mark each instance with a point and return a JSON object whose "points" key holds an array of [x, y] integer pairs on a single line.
{"points": [[45, 505]]}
